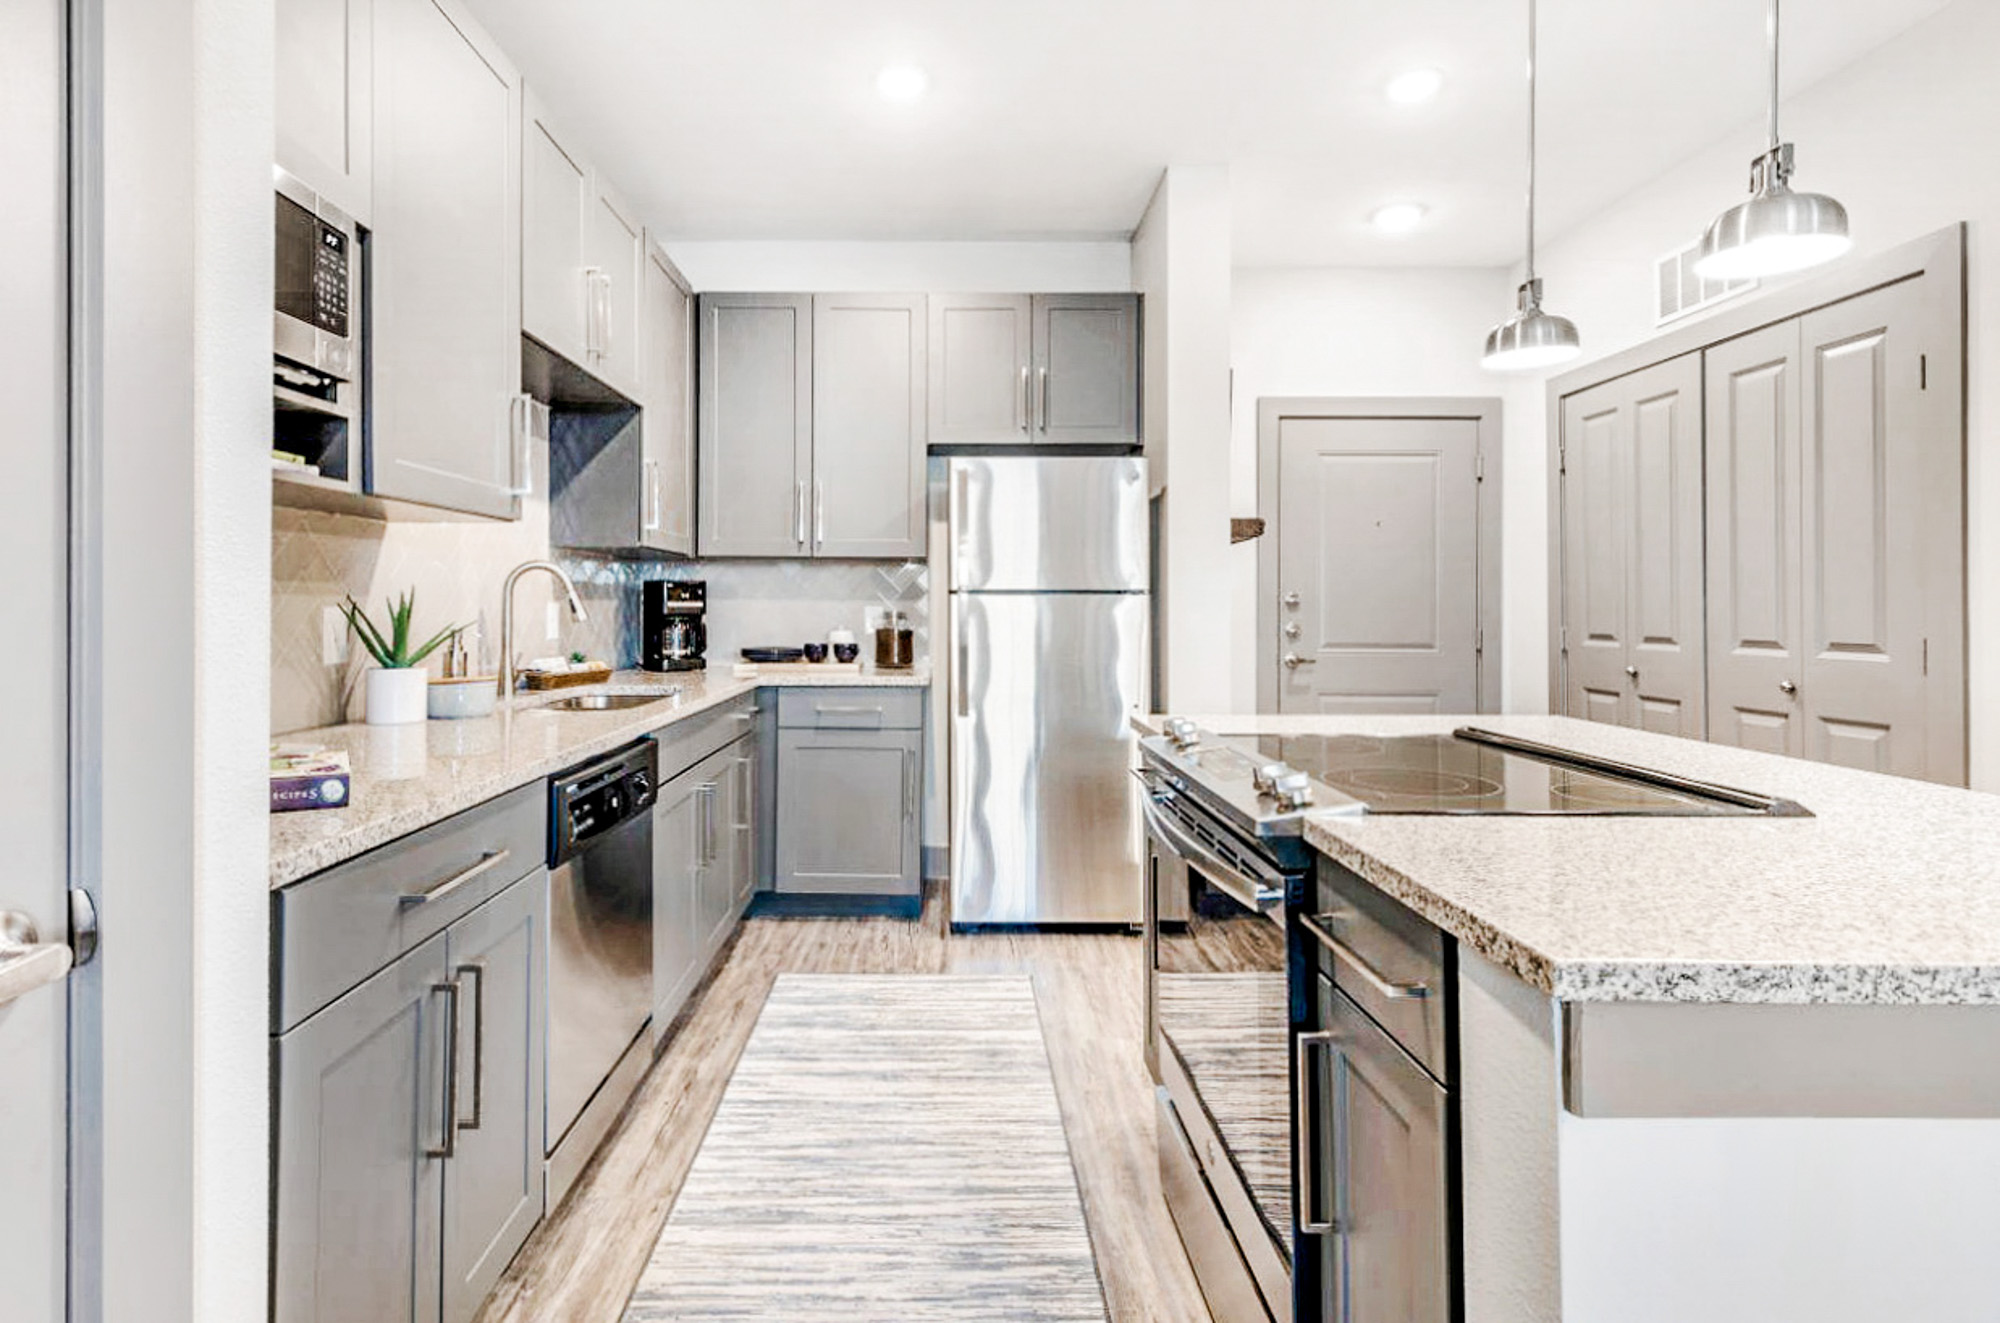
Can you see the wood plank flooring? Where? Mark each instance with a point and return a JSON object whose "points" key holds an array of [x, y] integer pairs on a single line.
{"points": [[582, 1262]]}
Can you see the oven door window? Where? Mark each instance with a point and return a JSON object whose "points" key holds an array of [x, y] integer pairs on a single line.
{"points": [[1223, 1011]]}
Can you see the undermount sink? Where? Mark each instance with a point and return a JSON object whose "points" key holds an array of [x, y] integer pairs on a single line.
{"points": [[608, 702]]}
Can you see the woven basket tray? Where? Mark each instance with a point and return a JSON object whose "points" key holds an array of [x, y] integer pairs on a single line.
{"points": [[597, 674]]}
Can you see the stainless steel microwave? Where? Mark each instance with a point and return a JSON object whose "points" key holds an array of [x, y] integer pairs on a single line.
{"points": [[317, 321]]}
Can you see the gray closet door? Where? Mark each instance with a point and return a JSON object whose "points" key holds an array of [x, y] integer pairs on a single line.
{"points": [[1865, 524], [1632, 550], [847, 823], [868, 386], [445, 325], [1754, 653], [981, 354], [493, 1185], [1378, 565], [359, 1199], [755, 424], [1086, 369]]}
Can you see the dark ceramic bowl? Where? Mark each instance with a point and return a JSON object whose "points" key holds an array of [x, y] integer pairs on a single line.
{"points": [[843, 652], [815, 652]]}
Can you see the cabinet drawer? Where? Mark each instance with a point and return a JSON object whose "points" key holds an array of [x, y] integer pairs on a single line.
{"points": [[335, 928], [1393, 963], [851, 709], [694, 738]]}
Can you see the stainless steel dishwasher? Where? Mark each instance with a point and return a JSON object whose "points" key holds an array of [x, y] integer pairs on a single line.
{"points": [[600, 950]]}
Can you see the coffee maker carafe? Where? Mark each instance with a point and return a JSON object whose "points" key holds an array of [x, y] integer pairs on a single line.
{"points": [[672, 635]]}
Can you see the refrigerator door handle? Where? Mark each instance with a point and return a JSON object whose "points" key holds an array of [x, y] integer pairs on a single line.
{"points": [[961, 523], [962, 682]]}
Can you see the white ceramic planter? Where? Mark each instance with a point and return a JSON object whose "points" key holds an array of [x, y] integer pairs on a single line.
{"points": [[397, 697]]}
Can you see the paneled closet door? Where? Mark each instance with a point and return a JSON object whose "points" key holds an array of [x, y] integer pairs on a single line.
{"points": [[1632, 547], [1864, 466], [1754, 618]]}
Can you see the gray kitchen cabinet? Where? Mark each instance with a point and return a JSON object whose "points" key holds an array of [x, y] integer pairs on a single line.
{"points": [[677, 964], [582, 257], [1086, 369], [1631, 484], [445, 330], [1057, 369], [755, 424], [868, 384], [324, 118], [982, 350], [359, 1197], [493, 1185], [666, 398], [850, 792], [744, 818], [704, 843], [716, 910]]}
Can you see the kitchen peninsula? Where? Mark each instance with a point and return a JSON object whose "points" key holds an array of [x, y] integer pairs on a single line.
{"points": [[1716, 1067]]}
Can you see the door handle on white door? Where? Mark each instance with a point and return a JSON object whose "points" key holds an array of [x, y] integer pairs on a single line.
{"points": [[1293, 661], [1292, 629], [1291, 601], [1632, 671], [26, 961], [1788, 687]]}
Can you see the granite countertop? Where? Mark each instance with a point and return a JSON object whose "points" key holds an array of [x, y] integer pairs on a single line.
{"points": [[408, 777], [1888, 895]]}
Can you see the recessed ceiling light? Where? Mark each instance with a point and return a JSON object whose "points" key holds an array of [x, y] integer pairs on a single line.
{"points": [[1415, 87], [1399, 217], [902, 82]]}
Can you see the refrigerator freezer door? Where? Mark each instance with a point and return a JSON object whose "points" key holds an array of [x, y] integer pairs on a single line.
{"points": [[1045, 828], [1061, 524]]}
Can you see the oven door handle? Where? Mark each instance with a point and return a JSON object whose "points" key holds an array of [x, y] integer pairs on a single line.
{"points": [[1253, 893]]}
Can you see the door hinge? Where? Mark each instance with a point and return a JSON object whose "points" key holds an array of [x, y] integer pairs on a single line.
{"points": [[1479, 466], [1479, 639], [1927, 656], [1562, 640], [1562, 455], [82, 927], [1923, 371]]}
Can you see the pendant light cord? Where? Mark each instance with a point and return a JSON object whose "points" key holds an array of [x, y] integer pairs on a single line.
{"points": [[1771, 36], [1531, 139]]}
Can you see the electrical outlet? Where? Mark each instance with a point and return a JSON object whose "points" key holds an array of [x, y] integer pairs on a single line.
{"points": [[553, 629], [332, 637]]}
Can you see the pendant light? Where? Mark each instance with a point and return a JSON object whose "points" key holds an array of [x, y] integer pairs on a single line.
{"points": [[1531, 338], [1777, 230]]}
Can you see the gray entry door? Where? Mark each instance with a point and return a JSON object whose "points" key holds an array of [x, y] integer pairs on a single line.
{"points": [[1753, 540], [1378, 565], [34, 530]]}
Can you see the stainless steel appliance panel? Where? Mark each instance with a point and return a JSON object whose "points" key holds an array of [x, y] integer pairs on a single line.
{"points": [[1045, 828], [1040, 524], [600, 963]]}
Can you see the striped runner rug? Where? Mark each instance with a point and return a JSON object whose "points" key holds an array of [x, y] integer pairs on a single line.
{"points": [[889, 1148]]}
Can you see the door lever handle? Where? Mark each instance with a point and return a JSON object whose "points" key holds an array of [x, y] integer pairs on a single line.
{"points": [[26, 961]]}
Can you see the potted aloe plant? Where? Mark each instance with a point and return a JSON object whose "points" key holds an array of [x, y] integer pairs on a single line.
{"points": [[398, 687]]}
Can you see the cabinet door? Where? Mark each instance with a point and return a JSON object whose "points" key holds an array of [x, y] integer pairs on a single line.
{"points": [[1086, 377], [614, 255], [323, 118], [715, 888], [446, 254], [981, 350], [676, 881], [868, 493], [493, 1183], [666, 398], [743, 822], [1632, 550], [1868, 519], [556, 206], [1752, 439], [359, 1193], [755, 424], [847, 811]]}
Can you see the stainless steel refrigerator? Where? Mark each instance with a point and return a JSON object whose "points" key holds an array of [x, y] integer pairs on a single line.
{"points": [[1050, 618]]}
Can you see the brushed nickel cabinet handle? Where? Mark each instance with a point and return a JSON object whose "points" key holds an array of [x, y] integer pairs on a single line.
{"points": [[449, 1148], [1021, 403], [1370, 975], [1042, 400], [490, 860], [799, 513], [477, 973], [1306, 1196]]}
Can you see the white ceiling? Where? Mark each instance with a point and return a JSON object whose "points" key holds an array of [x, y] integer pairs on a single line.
{"points": [[758, 119]]}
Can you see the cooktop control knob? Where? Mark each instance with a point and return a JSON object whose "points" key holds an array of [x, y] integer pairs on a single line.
{"points": [[1292, 790], [1265, 776], [1182, 733]]}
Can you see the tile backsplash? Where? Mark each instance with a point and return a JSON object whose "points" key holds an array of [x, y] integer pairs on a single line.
{"points": [[457, 569]]}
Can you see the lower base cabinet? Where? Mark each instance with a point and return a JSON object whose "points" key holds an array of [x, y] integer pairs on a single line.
{"points": [[850, 792], [704, 859], [408, 1137]]}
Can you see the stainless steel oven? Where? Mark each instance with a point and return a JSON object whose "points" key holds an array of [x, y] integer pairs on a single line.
{"points": [[1219, 1028]]}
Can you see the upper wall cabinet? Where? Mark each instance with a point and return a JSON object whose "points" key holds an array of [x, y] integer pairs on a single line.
{"points": [[811, 425], [583, 256], [324, 114], [1059, 369], [666, 398], [446, 259]]}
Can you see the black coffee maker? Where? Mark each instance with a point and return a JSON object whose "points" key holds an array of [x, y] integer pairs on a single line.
{"points": [[672, 636]]}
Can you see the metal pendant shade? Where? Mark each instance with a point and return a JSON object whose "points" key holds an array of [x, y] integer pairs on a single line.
{"points": [[1531, 338], [1776, 230]]}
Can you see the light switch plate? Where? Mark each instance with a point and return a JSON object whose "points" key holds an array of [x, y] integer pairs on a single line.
{"points": [[553, 629], [332, 637]]}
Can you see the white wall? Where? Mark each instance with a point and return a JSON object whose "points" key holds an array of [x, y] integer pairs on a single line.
{"points": [[985, 268], [1334, 331], [1904, 138], [1181, 265]]}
